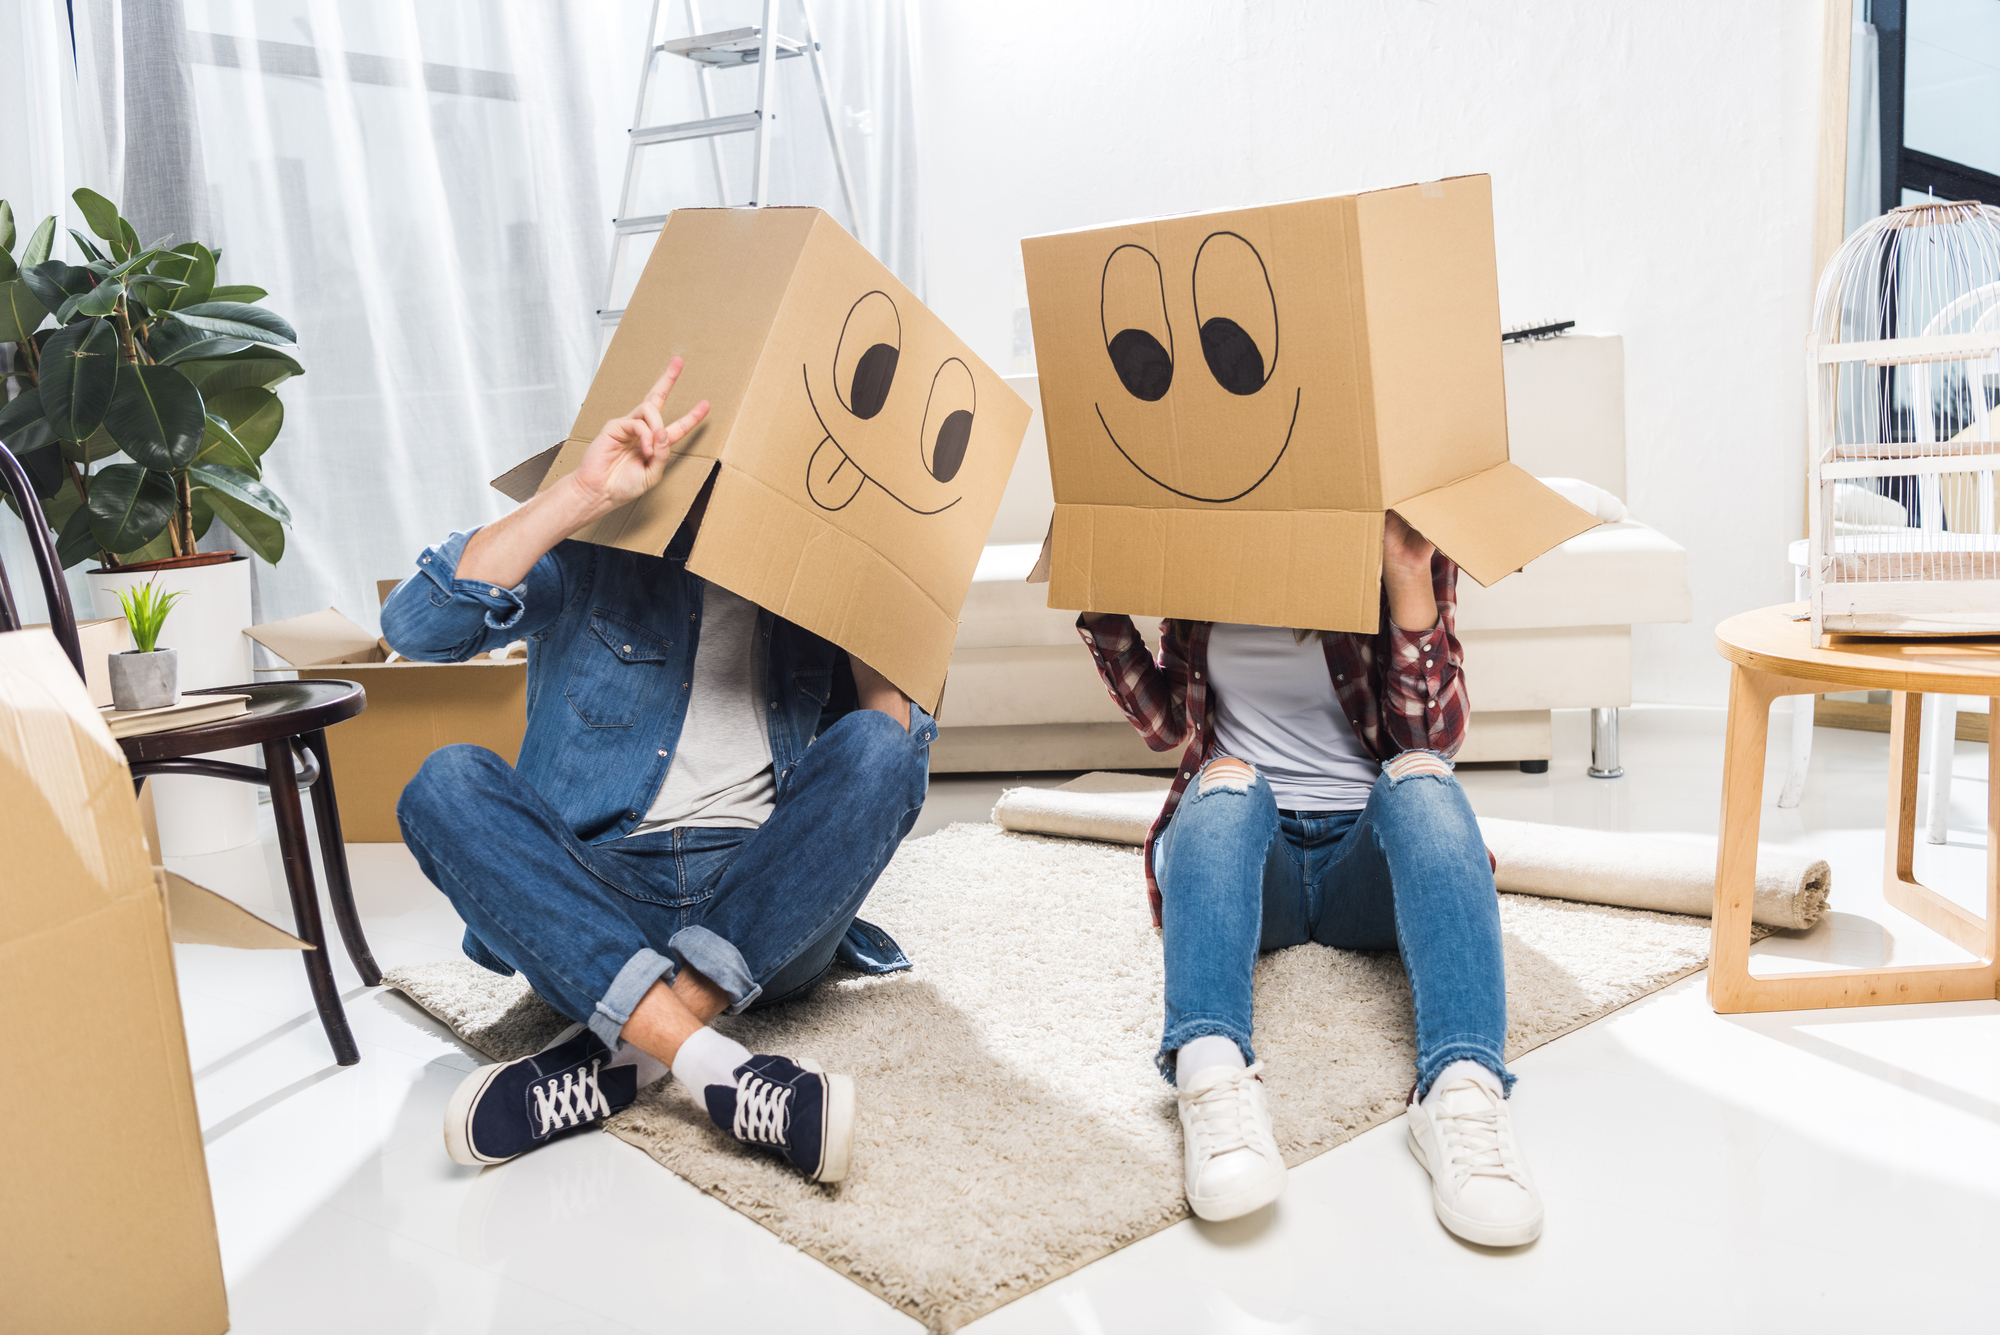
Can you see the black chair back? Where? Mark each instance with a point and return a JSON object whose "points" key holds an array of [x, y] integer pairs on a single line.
{"points": [[62, 618]]}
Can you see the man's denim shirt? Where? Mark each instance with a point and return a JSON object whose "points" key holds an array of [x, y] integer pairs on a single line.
{"points": [[611, 641]]}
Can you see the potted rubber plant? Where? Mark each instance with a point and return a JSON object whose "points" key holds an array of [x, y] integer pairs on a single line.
{"points": [[142, 399], [146, 676], [139, 390]]}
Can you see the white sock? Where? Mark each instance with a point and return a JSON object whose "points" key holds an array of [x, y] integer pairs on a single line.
{"points": [[708, 1058], [651, 1068], [1199, 1054], [1464, 1070]]}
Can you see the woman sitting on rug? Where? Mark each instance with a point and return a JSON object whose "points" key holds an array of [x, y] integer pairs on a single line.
{"points": [[1316, 803]]}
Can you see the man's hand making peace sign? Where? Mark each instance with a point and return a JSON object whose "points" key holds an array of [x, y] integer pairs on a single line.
{"points": [[624, 462]]}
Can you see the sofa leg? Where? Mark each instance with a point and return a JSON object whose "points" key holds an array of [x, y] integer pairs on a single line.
{"points": [[1534, 767], [1604, 745]]}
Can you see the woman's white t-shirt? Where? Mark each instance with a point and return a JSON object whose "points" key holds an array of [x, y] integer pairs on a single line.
{"points": [[1275, 707]]}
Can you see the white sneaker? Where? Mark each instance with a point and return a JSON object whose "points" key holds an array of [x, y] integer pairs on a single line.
{"points": [[1464, 1137], [1233, 1166]]}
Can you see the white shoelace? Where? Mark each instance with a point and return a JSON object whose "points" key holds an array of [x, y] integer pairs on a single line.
{"points": [[1223, 1116], [1472, 1140], [762, 1110], [569, 1101]]}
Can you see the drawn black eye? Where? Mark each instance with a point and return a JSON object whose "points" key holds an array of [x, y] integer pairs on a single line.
{"points": [[1134, 303], [864, 361], [948, 419], [1237, 313]]}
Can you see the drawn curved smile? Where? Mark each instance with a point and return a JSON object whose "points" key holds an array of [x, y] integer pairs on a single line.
{"points": [[1214, 500], [833, 479]]}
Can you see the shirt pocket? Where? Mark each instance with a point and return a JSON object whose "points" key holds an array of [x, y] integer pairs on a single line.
{"points": [[618, 666], [814, 684]]}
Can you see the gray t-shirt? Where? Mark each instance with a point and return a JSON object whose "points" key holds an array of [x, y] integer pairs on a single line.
{"points": [[1275, 707], [721, 775]]}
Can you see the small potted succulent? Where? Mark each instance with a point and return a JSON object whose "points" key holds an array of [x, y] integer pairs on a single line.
{"points": [[146, 677]]}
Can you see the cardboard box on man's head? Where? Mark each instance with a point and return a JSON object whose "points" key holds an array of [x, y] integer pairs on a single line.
{"points": [[858, 448], [1234, 399]]}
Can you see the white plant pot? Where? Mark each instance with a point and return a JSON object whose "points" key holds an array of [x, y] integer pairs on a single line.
{"points": [[198, 816]]}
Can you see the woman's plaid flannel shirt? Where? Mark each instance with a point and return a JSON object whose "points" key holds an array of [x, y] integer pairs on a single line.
{"points": [[1401, 690]]}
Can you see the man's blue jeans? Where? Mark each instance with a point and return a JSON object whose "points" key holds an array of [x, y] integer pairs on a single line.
{"points": [[759, 913], [1407, 872]]}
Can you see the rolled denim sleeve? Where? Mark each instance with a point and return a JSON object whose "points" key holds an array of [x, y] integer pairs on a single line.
{"points": [[436, 617]]}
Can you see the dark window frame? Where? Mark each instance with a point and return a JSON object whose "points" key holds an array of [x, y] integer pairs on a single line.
{"points": [[1906, 168]]}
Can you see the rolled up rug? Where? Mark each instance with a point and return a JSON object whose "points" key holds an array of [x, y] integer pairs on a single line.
{"points": [[1667, 873]]}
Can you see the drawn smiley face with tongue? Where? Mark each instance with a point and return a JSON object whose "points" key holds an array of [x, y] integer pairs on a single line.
{"points": [[896, 428]]}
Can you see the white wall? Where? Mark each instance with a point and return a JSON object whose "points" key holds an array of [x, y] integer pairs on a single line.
{"points": [[1653, 175]]}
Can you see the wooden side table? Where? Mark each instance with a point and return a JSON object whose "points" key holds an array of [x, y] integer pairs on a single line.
{"points": [[1771, 655], [288, 719]]}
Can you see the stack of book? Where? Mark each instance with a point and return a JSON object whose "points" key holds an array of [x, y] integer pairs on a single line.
{"points": [[189, 712]]}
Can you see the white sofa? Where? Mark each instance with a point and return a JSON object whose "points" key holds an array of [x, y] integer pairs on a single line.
{"points": [[1022, 694]]}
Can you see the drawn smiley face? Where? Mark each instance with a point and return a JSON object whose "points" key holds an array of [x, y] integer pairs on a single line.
{"points": [[1236, 323], [868, 410]]}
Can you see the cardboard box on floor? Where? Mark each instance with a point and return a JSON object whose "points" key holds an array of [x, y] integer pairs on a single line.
{"points": [[107, 1224], [858, 449], [413, 709], [1234, 399]]}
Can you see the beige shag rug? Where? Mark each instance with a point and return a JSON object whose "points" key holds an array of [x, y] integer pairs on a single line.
{"points": [[1012, 1126]]}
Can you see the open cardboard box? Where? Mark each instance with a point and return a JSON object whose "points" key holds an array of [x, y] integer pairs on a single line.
{"points": [[107, 1224], [1233, 400], [855, 449], [413, 709]]}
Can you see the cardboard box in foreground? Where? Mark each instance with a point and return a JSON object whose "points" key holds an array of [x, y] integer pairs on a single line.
{"points": [[1234, 399], [413, 709], [858, 449], [106, 1223]]}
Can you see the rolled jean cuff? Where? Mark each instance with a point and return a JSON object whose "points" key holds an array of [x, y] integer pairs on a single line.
{"points": [[715, 959], [1187, 1031], [620, 999], [1463, 1048]]}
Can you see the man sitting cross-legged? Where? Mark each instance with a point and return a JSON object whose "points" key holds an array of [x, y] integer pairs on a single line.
{"points": [[705, 795]]}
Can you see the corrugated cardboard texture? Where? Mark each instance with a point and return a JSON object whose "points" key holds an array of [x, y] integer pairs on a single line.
{"points": [[107, 1224], [863, 449], [1263, 567], [1253, 388], [413, 709]]}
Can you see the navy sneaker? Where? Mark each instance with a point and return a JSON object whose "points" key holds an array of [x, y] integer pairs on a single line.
{"points": [[792, 1107], [502, 1111]]}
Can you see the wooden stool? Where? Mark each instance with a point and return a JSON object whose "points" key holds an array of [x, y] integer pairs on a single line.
{"points": [[1771, 655]]}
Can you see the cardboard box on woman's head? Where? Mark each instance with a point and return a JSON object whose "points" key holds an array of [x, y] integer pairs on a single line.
{"points": [[856, 448], [1233, 400]]}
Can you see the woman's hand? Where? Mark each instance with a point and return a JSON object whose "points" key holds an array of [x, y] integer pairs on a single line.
{"points": [[1406, 574], [629, 456]]}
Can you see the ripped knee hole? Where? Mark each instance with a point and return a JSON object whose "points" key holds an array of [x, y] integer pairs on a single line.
{"points": [[1228, 772], [1412, 763]]}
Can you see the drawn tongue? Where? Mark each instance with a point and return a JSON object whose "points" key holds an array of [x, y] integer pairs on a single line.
{"points": [[832, 480]]}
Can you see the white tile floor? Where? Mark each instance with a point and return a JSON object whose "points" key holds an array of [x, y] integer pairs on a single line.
{"points": [[1829, 1171]]}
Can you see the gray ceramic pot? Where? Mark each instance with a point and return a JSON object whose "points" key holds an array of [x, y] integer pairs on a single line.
{"points": [[144, 681]]}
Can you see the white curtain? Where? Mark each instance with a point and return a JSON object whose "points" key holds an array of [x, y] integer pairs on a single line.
{"points": [[426, 192]]}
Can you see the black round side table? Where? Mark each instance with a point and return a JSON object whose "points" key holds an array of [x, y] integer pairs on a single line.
{"points": [[285, 718]]}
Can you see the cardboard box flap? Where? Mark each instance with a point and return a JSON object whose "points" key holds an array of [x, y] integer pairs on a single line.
{"points": [[71, 824], [524, 479], [197, 916], [317, 639], [1495, 521]]}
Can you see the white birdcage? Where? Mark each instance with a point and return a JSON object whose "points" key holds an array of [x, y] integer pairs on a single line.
{"points": [[1902, 369]]}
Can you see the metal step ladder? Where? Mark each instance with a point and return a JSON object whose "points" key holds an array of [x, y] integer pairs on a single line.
{"points": [[762, 46]]}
